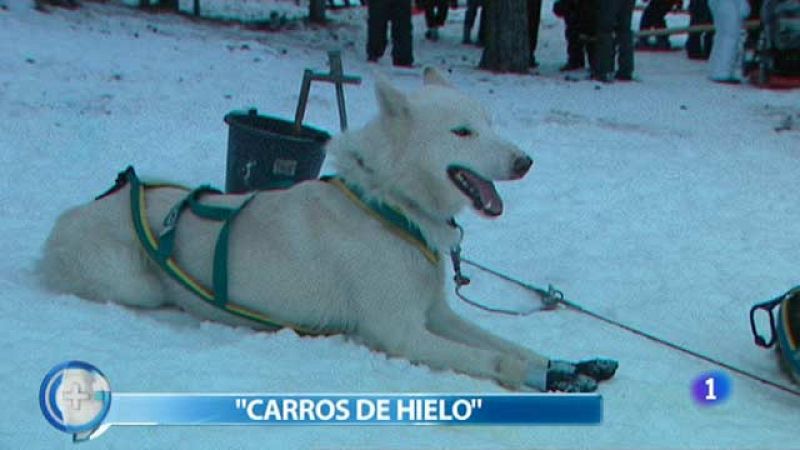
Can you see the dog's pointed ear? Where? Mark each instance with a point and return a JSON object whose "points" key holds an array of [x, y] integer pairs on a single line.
{"points": [[391, 101], [432, 76]]}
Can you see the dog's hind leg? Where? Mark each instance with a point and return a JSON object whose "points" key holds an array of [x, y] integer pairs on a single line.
{"points": [[92, 252]]}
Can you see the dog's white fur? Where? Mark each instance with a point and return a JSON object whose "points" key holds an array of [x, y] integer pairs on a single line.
{"points": [[309, 256]]}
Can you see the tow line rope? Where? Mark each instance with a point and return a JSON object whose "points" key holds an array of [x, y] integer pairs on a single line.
{"points": [[552, 297]]}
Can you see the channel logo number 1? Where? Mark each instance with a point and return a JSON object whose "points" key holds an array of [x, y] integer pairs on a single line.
{"points": [[711, 388]]}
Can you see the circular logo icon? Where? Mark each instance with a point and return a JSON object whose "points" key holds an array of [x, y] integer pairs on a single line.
{"points": [[75, 397], [711, 388]]}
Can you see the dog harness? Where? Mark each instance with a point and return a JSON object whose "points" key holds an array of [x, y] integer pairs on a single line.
{"points": [[388, 215], [160, 248]]}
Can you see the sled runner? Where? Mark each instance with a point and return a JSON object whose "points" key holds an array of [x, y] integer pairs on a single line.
{"points": [[784, 332]]}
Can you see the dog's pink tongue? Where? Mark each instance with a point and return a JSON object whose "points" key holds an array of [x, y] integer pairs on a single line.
{"points": [[491, 203]]}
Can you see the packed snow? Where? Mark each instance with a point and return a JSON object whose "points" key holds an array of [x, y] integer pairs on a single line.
{"points": [[669, 204]]}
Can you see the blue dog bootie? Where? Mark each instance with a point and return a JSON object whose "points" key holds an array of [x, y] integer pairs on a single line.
{"points": [[564, 376]]}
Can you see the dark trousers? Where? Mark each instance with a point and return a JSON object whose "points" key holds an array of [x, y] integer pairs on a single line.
{"points": [[614, 37], [755, 14], [379, 14], [469, 21], [577, 47], [534, 17], [698, 45], [654, 14], [436, 12]]}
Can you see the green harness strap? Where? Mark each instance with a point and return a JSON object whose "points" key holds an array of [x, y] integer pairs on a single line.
{"points": [[390, 216], [160, 248], [216, 213]]}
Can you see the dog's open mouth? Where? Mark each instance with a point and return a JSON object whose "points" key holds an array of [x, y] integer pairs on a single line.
{"points": [[481, 191]]}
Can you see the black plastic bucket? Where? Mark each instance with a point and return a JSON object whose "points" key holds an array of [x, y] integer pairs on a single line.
{"points": [[265, 153]]}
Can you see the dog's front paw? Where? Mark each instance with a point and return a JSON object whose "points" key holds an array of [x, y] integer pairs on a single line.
{"points": [[599, 369], [571, 383], [565, 376]]}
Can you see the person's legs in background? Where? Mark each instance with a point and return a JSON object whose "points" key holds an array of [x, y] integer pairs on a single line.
{"points": [[534, 18], [604, 46], [469, 20], [435, 17], [724, 55], [623, 40], [377, 22], [402, 47], [576, 55], [654, 16], [698, 45]]}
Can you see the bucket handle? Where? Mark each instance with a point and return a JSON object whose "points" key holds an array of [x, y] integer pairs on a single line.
{"points": [[767, 306], [335, 76]]}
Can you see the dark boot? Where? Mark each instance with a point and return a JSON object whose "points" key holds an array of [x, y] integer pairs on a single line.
{"points": [[571, 65], [432, 34]]}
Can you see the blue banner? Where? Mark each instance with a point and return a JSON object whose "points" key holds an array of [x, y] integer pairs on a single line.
{"points": [[355, 409], [76, 397]]}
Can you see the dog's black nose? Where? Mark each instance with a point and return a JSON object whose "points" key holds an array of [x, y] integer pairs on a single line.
{"points": [[522, 165]]}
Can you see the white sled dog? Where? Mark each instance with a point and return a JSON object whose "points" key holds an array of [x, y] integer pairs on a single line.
{"points": [[312, 258]]}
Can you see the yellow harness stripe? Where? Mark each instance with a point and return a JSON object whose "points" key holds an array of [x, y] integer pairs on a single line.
{"points": [[148, 232], [193, 284], [427, 252], [190, 280]]}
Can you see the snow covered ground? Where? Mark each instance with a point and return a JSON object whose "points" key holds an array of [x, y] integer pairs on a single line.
{"points": [[669, 204]]}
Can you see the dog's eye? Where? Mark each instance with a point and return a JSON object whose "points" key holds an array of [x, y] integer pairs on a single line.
{"points": [[461, 131]]}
